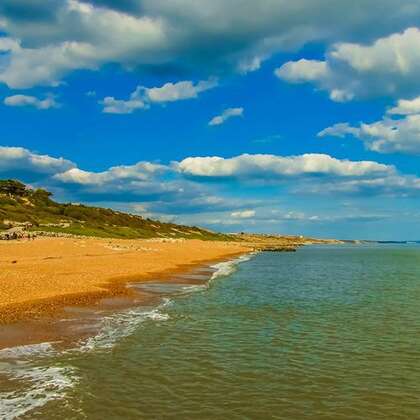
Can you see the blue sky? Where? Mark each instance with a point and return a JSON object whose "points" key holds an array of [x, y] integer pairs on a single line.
{"points": [[265, 116]]}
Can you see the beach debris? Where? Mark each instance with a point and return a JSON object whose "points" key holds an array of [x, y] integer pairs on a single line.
{"points": [[16, 233]]}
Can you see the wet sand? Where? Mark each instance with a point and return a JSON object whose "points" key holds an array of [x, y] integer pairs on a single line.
{"points": [[42, 277]]}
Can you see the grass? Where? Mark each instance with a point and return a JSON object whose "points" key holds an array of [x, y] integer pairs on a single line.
{"points": [[18, 203]]}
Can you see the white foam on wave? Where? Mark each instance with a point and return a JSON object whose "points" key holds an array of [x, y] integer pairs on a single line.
{"points": [[27, 351], [226, 268], [38, 373], [37, 386], [194, 288], [39, 383], [121, 325]]}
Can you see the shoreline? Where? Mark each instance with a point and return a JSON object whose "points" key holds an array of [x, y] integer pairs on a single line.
{"points": [[30, 321], [112, 288]]}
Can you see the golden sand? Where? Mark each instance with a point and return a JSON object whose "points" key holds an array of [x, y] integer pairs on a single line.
{"points": [[43, 275]]}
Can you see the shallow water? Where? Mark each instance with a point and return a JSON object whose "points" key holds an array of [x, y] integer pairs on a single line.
{"points": [[324, 333]]}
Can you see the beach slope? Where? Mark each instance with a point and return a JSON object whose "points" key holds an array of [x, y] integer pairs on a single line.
{"points": [[40, 276]]}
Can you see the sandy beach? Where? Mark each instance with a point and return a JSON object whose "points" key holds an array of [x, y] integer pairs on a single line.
{"points": [[42, 276]]}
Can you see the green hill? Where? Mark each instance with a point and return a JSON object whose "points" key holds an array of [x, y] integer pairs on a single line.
{"points": [[22, 205]]}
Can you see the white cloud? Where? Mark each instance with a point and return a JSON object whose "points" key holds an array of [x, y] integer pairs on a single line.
{"points": [[394, 185], [47, 40], [389, 135], [120, 106], [269, 166], [8, 44], [339, 130], [142, 179], [79, 36], [46, 65], [225, 115], [271, 220], [387, 67], [141, 171], [142, 97], [171, 92], [302, 71], [143, 182], [111, 187], [20, 159], [168, 191], [406, 107], [25, 100], [243, 214]]}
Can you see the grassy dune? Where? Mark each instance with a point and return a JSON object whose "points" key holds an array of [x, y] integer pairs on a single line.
{"points": [[19, 203]]}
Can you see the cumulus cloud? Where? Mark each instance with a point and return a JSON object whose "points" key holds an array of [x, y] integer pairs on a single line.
{"points": [[171, 92], [201, 202], [141, 171], [339, 130], [389, 135], [261, 166], [120, 106], [181, 174], [142, 97], [303, 71], [177, 192], [180, 185], [25, 100], [141, 181], [243, 214], [406, 107], [45, 40], [76, 36], [279, 215], [20, 160], [389, 66], [123, 182], [225, 115], [293, 221], [393, 185]]}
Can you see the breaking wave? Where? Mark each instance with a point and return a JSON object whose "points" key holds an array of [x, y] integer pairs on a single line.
{"points": [[37, 383], [121, 325], [35, 374], [226, 268]]}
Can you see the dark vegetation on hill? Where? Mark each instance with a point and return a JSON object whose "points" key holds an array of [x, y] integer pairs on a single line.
{"points": [[22, 205]]}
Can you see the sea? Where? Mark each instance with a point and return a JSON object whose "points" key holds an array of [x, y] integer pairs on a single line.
{"points": [[328, 332]]}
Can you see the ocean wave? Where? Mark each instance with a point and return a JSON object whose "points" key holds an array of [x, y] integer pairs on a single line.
{"points": [[171, 289], [121, 325], [27, 351], [35, 368], [226, 268], [194, 288], [41, 385]]}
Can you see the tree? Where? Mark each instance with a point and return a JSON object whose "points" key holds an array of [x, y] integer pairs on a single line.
{"points": [[12, 188], [41, 195]]}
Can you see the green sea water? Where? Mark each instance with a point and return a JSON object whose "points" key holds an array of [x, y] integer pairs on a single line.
{"points": [[324, 333]]}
